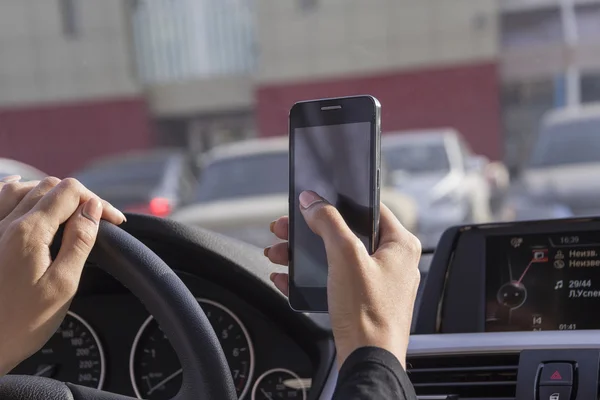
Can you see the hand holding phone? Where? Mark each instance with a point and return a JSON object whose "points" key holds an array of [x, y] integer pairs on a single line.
{"points": [[371, 297], [335, 152]]}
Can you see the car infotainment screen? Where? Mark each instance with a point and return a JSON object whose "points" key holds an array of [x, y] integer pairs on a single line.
{"points": [[543, 282]]}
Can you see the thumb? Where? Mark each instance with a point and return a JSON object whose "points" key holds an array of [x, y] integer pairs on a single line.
{"points": [[78, 240], [327, 222]]}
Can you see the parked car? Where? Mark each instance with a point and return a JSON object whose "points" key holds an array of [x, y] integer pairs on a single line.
{"points": [[152, 182], [437, 168], [244, 186], [522, 207], [13, 167], [564, 157]]}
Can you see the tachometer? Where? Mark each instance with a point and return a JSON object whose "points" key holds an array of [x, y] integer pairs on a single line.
{"points": [[73, 354], [155, 369]]}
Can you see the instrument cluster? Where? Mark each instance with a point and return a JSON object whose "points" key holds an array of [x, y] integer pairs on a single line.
{"points": [[106, 335]]}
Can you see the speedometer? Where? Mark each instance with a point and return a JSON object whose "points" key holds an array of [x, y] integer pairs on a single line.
{"points": [[156, 372], [73, 354]]}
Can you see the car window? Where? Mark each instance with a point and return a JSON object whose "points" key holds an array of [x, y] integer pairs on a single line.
{"points": [[246, 176], [141, 171], [90, 80], [415, 158], [129, 181], [568, 143]]}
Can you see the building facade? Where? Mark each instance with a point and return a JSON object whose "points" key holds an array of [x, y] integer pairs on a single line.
{"points": [[68, 81], [112, 75], [197, 60], [430, 63], [550, 57]]}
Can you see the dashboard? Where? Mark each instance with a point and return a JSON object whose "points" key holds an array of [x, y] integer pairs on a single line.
{"points": [[508, 311], [109, 341], [514, 277]]}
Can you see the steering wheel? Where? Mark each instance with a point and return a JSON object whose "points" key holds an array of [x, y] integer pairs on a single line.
{"points": [[206, 374]]}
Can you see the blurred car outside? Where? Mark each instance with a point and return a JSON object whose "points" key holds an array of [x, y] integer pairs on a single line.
{"points": [[437, 168], [154, 182], [498, 178], [10, 167], [244, 186], [521, 207], [560, 177]]}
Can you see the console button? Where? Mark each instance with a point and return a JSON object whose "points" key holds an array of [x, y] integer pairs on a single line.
{"points": [[557, 374], [555, 393]]}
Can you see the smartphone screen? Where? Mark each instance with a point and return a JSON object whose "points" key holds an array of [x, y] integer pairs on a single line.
{"points": [[335, 153]]}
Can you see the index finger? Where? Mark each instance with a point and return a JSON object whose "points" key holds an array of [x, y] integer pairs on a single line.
{"points": [[48, 184], [60, 203]]}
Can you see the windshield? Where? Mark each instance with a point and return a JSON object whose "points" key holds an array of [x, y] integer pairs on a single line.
{"points": [[247, 176], [416, 158], [83, 81], [568, 143]]}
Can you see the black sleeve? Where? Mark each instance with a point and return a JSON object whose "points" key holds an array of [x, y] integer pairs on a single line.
{"points": [[373, 373]]}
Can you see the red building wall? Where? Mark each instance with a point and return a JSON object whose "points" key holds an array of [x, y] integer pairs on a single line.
{"points": [[464, 97], [60, 138]]}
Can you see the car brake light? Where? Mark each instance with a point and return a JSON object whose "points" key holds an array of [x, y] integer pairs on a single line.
{"points": [[160, 207]]}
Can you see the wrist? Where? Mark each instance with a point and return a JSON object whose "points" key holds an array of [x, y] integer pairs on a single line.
{"points": [[392, 343]]}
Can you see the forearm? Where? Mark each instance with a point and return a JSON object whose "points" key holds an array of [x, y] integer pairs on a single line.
{"points": [[373, 373]]}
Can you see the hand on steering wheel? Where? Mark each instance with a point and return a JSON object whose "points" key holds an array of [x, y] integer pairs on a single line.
{"points": [[31, 216], [35, 292]]}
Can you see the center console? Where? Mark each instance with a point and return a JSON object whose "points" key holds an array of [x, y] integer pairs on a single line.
{"points": [[528, 289]]}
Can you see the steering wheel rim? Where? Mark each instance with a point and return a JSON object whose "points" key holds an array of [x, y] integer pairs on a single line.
{"points": [[205, 370]]}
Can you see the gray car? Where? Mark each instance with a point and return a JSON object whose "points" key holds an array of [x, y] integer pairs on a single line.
{"points": [[154, 182], [437, 168], [565, 163]]}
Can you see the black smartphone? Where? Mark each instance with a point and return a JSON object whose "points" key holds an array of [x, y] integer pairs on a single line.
{"points": [[335, 152]]}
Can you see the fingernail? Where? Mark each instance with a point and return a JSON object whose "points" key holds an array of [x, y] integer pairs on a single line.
{"points": [[266, 251], [119, 211], [272, 226], [92, 210], [308, 198], [11, 178]]}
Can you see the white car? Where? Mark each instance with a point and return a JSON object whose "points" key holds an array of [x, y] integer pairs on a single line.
{"points": [[244, 186], [13, 167], [437, 168]]}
